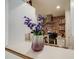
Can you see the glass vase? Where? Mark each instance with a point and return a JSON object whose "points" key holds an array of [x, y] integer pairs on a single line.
{"points": [[37, 43]]}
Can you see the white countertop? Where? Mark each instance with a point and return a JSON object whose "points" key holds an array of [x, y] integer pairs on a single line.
{"points": [[47, 53], [9, 55]]}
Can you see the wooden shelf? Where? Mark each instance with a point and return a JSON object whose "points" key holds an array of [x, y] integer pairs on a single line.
{"points": [[56, 24], [62, 31], [62, 24], [48, 23]]}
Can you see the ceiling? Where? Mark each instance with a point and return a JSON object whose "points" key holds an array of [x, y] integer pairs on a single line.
{"points": [[45, 7]]}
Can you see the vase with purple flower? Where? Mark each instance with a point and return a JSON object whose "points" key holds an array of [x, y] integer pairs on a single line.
{"points": [[37, 40]]}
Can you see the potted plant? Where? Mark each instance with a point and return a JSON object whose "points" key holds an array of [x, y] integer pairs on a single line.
{"points": [[37, 41]]}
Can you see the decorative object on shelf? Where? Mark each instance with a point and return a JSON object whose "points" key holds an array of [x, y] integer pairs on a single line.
{"points": [[37, 43]]}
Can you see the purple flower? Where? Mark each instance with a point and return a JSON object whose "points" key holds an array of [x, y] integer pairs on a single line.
{"points": [[25, 17], [31, 25], [38, 28], [26, 23], [40, 18]]}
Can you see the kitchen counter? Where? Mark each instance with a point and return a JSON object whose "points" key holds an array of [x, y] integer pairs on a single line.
{"points": [[9, 55], [24, 47]]}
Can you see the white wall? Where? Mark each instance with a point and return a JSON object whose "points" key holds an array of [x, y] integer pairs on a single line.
{"points": [[17, 10], [6, 21], [69, 27], [72, 15]]}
